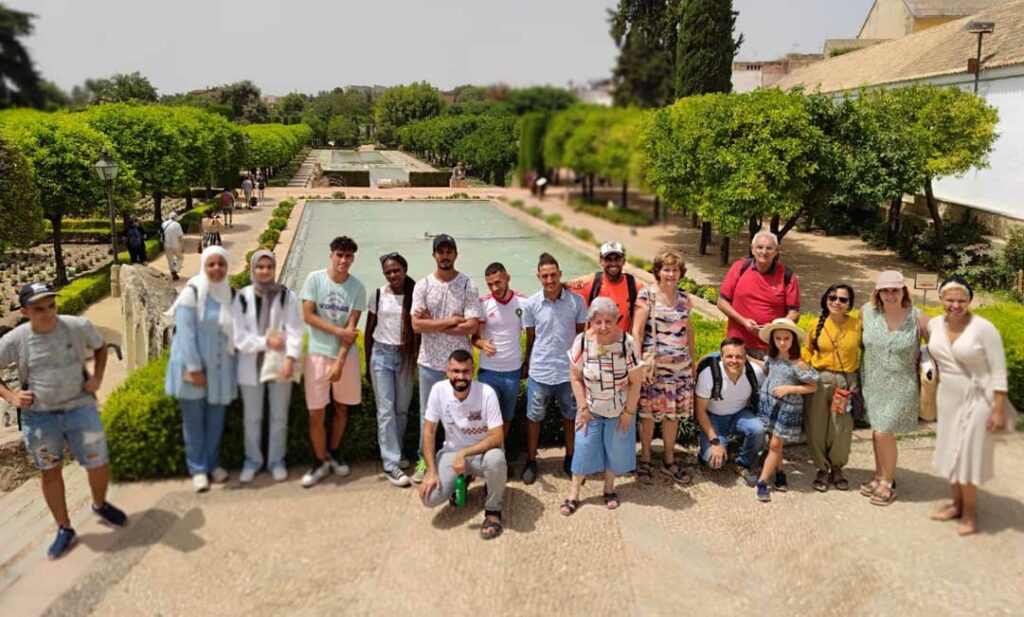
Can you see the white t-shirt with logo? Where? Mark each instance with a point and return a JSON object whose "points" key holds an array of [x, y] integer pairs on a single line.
{"points": [[389, 316], [735, 396], [458, 296], [503, 323], [467, 422]]}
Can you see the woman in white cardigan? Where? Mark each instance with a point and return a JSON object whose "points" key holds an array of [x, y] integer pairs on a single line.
{"points": [[268, 336]]}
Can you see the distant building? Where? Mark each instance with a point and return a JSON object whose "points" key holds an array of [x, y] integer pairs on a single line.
{"points": [[270, 99], [595, 91], [747, 76], [939, 56], [894, 19]]}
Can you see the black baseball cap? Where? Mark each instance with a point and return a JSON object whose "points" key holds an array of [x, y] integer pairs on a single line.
{"points": [[442, 239], [34, 292]]}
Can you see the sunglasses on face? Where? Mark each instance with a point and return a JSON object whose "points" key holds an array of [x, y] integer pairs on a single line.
{"points": [[839, 299]]}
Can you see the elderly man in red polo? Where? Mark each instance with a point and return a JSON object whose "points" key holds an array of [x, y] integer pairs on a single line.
{"points": [[756, 290]]}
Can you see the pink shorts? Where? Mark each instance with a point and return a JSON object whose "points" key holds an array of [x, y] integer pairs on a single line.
{"points": [[347, 390]]}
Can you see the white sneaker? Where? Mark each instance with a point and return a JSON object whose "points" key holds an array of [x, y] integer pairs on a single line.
{"points": [[340, 466], [247, 475], [200, 483], [316, 473], [219, 475], [280, 474], [397, 477], [404, 463]]}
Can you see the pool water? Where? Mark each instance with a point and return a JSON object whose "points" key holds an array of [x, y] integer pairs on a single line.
{"points": [[483, 233]]}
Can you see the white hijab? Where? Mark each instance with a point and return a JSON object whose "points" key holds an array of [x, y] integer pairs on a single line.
{"points": [[220, 292]]}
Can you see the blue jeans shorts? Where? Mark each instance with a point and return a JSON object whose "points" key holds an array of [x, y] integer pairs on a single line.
{"points": [[538, 395], [46, 431], [601, 447], [506, 386]]}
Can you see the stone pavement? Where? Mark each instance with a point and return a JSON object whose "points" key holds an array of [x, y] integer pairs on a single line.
{"points": [[359, 546]]}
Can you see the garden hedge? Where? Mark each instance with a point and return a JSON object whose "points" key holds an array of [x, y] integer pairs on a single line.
{"points": [[348, 177], [77, 295], [429, 178]]}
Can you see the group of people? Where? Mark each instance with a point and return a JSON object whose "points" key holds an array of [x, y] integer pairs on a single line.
{"points": [[616, 357]]}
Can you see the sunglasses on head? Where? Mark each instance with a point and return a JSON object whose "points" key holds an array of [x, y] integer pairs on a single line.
{"points": [[384, 258], [839, 299]]}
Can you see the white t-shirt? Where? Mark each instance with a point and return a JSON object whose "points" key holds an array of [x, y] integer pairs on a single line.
{"points": [[172, 234], [458, 296], [735, 396], [503, 322], [389, 316], [465, 422]]}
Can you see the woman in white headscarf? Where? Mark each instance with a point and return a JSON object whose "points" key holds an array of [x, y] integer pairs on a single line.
{"points": [[268, 336], [201, 372]]}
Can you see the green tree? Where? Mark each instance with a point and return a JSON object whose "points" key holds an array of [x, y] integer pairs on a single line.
{"points": [[21, 217], [615, 146], [645, 33], [289, 108], [560, 129], [532, 127], [118, 88], [538, 98], [343, 131], [491, 148], [400, 105], [705, 48], [247, 106], [19, 81], [468, 93], [53, 97]]}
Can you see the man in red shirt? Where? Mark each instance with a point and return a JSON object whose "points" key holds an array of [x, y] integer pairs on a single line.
{"points": [[610, 282], [757, 290]]}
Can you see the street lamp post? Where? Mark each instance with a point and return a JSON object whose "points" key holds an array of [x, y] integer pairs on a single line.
{"points": [[981, 28], [106, 168]]}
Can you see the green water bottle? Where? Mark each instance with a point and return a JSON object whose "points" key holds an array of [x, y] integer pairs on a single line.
{"points": [[460, 490]]}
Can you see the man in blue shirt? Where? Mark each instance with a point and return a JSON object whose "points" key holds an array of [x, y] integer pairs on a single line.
{"points": [[552, 317]]}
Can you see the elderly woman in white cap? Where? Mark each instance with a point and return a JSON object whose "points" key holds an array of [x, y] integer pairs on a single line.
{"points": [[268, 336], [971, 400], [201, 371], [893, 328], [780, 402]]}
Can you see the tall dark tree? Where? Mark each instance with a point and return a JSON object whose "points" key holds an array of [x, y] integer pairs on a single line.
{"points": [[19, 81], [706, 48], [645, 32]]}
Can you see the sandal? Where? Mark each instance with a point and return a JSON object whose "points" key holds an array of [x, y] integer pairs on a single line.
{"points": [[490, 529], [879, 498], [611, 500], [644, 472], [673, 469], [569, 506], [820, 483], [868, 488], [840, 482]]}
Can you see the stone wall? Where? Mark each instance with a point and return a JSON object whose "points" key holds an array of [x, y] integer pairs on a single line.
{"points": [[146, 294]]}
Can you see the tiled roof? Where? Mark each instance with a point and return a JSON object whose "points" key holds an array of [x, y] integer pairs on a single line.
{"points": [[942, 50], [950, 8]]}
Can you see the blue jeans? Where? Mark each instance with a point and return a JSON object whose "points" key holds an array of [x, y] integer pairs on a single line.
{"points": [[202, 425], [428, 377], [743, 423], [45, 433], [392, 390], [280, 397], [506, 386], [537, 397]]}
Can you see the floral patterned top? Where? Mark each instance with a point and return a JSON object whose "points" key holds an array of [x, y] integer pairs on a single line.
{"points": [[892, 395]]}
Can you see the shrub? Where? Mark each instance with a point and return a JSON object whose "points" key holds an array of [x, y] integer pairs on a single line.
{"points": [[241, 279], [269, 236], [535, 211], [429, 178], [583, 234], [621, 216], [74, 297], [517, 203], [338, 195], [553, 219], [278, 224], [281, 212]]}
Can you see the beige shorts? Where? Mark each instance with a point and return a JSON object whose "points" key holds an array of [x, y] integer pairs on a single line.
{"points": [[347, 390]]}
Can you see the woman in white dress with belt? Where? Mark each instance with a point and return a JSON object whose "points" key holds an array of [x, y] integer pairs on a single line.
{"points": [[971, 400]]}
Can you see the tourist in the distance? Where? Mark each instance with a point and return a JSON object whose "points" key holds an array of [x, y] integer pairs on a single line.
{"points": [[391, 348], [227, 205], [606, 378], [552, 317], [832, 349], [247, 187], [757, 290], [446, 312], [173, 243], [469, 412], [661, 327], [332, 301], [501, 324], [268, 337], [893, 328], [971, 400], [610, 282], [212, 225], [57, 403], [135, 241], [201, 371], [261, 184], [781, 404]]}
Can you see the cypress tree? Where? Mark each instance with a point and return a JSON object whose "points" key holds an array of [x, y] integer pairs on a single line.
{"points": [[645, 32], [705, 47]]}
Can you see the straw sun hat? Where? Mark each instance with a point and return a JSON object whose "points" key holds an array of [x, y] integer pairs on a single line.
{"points": [[783, 324]]}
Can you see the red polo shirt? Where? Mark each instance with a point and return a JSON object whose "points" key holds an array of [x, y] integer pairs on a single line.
{"points": [[758, 296]]}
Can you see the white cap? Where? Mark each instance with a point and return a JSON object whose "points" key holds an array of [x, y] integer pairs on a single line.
{"points": [[612, 248]]}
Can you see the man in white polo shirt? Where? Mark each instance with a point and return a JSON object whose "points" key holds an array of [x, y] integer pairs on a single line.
{"points": [[501, 323], [473, 433], [727, 390]]}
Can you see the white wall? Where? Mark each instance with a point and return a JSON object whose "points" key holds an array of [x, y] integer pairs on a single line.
{"points": [[887, 19], [745, 81]]}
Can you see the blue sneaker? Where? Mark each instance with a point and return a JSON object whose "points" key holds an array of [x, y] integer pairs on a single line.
{"points": [[62, 543], [111, 514], [762, 491]]}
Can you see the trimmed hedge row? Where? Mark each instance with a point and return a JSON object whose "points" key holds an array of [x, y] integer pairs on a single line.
{"points": [[617, 215], [429, 178], [267, 240], [77, 295]]}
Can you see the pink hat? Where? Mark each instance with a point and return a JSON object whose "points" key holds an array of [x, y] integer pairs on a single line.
{"points": [[890, 279]]}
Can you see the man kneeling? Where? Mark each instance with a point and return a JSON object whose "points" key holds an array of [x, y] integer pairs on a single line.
{"points": [[473, 444]]}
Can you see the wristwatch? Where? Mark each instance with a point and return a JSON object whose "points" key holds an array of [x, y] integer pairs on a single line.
{"points": [[716, 441]]}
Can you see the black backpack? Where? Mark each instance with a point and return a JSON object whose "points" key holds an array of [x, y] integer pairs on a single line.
{"points": [[282, 294], [712, 361], [631, 290]]}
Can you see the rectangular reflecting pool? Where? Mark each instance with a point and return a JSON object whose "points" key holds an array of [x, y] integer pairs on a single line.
{"points": [[484, 235]]}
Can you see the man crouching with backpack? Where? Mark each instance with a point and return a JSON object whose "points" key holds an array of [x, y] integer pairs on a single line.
{"points": [[57, 403], [726, 404]]}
